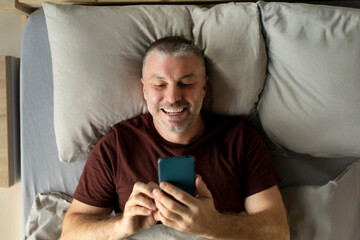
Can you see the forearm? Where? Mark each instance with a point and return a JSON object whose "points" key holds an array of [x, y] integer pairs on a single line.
{"points": [[87, 226], [263, 225]]}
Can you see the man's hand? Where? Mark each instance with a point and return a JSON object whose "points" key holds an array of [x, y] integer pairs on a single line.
{"points": [[84, 221], [139, 209], [265, 216], [194, 216]]}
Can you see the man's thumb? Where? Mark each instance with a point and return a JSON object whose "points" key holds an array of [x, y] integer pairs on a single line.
{"points": [[202, 188]]}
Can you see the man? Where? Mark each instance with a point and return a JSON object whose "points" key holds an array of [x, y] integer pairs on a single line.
{"points": [[237, 189]]}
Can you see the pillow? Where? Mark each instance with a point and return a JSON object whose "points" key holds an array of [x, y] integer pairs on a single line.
{"points": [[311, 100], [97, 58], [328, 212]]}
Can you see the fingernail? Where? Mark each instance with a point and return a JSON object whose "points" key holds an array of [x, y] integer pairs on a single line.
{"points": [[163, 185], [155, 192]]}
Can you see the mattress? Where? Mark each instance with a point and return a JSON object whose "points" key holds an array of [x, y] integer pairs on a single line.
{"points": [[41, 169]]}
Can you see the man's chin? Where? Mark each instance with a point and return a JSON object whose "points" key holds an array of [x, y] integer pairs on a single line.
{"points": [[174, 124], [174, 128]]}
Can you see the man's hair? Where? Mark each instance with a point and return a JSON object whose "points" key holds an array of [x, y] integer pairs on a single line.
{"points": [[174, 46]]}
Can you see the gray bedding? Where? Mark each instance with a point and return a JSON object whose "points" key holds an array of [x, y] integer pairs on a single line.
{"points": [[40, 168], [43, 172]]}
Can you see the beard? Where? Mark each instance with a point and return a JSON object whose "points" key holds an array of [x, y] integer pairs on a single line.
{"points": [[189, 114]]}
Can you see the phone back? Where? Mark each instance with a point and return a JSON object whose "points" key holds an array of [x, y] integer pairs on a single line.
{"points": [[179, 171]]}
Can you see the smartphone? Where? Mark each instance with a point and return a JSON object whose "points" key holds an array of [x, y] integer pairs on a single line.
{"points": [[179, 171]]}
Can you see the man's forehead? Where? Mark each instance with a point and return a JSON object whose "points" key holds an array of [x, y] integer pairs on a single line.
{"points": [[158, 64]]}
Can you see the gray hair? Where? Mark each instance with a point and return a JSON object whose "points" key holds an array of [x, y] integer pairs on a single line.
{"points": [[174, 46]]}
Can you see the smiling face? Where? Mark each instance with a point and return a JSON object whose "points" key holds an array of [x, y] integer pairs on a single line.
{"points": [[174, 89]]}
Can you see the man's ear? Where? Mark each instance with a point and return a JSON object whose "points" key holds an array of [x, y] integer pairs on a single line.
{"points": [[205, 83], [144, 91]]}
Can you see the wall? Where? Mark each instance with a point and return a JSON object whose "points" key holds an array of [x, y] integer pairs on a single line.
{"points": [[10, 34], [10, 198]]}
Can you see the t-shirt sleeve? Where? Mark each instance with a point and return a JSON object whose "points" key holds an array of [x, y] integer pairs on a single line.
{"points": [[260, 174], [96, 185]]}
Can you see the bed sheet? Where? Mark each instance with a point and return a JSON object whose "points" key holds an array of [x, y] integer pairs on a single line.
{"points": [[41, 169]]}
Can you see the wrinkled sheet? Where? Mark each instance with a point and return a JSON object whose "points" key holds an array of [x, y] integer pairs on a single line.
{"points": [[46, 216], [327, 212], [48, 211]]}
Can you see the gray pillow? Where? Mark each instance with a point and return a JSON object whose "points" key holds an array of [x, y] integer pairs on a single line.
{"points": [[328, 212], [311, 100], [97, 55]]}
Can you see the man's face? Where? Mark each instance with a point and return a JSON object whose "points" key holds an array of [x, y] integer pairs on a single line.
{"points": [[174, 89]]}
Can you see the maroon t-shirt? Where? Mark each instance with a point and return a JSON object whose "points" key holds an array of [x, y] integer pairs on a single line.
{"points": [[230, 156]]}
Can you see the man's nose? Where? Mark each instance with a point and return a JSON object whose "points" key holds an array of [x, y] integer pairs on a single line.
{"points": [[173, 94]]}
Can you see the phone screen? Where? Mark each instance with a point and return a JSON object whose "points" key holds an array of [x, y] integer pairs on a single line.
{"points": [[179, 171]]}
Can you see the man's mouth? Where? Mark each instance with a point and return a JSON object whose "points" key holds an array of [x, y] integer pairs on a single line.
{"points": [[173, 111]]}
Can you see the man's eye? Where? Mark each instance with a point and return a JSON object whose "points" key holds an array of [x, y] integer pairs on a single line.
{"points": [[159, 85], [186, 84]]}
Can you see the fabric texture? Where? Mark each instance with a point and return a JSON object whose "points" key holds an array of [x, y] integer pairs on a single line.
{"points": [[41, 170], [46, 216], [327, 212], [310, 103], [229, 147], [161, 232], [97, 78], [48, 211]]}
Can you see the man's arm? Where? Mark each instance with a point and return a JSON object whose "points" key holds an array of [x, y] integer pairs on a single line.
{"points": [[265, 216], [83, 221]]}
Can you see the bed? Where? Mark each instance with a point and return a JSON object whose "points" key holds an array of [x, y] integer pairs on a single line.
{"points": [[49, 183]]}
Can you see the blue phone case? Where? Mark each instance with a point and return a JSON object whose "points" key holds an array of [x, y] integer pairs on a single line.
{"points": [[179, 171]]}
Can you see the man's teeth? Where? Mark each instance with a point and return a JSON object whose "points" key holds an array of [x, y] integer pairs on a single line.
{"points": [[173, 111]]}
